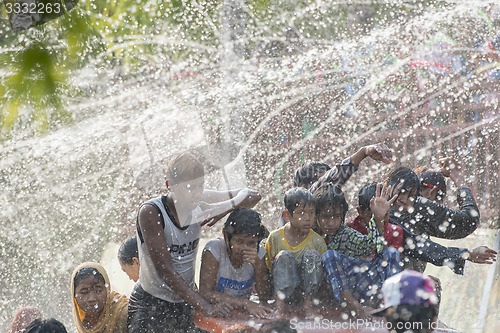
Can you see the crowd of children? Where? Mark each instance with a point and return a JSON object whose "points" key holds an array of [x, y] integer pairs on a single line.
{"points": [[314, 261]]}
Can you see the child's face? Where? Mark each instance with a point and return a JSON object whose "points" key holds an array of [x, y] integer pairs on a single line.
{"points": [[329, 221], [243, 243], [188, 194], [303, 217], [132, 270], [91, 295], [405, 200], [431, 194], [366, 214]]}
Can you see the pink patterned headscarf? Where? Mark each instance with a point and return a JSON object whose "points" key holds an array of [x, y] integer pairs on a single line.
{"points": [[24, 317]]}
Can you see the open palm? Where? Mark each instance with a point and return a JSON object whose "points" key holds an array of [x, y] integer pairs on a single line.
{"points": [[380, 203]]}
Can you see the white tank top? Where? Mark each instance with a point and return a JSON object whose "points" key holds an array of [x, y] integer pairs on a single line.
{"points": [[182, 244], [237, 282]]}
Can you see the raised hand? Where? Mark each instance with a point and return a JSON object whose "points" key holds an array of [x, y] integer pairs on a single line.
{"points": [[482, 255], [446, 164], [380, 204], [379, 152], [250, 256], [448, 167]]}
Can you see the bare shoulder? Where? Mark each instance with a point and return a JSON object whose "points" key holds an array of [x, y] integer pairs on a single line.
{"points": [[208, 256], [275, 234], [148, 214]]}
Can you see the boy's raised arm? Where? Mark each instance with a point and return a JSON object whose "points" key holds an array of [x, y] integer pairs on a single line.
{"points": [[217, 204], [444, 222], [243, 197], [377, 152], [440, 221], [341, 173]]}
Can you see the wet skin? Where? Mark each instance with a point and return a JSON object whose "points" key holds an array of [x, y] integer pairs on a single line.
{"points": [[406, 200], [431, 194], [188, 194], [303, 218], [329, 221], [243, 249], [132, 270], [427, 193], [91, 296]]}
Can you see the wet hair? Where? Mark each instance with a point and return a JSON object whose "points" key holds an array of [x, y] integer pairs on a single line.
{"points": [[183, 168], [366, 194], [45, 326], [431, 177], [407, 177], [328, 196], [308, 174], [85, 273], [297, 196], [244, 221], [128, 250], [416, 318]]}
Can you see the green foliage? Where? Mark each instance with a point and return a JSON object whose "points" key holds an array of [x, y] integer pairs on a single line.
{"points": [[33, 81], [36, 65], [129, 36]]}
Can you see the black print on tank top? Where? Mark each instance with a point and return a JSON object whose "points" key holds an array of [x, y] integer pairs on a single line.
{"points": [[184, 248]]}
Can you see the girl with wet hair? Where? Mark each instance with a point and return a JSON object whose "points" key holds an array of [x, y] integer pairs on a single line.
{"points": [[128, 256], [231, 266], [96, 308], [420, 218]]}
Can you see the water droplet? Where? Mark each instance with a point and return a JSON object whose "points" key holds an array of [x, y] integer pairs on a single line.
{"points": [[25, 233]]}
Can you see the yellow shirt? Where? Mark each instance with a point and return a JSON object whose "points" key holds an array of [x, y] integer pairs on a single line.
{"points": [[276, 242]]}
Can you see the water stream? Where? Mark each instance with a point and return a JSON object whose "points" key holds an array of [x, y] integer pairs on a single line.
{"points": [[292, 86]]}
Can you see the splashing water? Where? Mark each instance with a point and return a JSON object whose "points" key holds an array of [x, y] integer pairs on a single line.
{"points": [[252, 88]]}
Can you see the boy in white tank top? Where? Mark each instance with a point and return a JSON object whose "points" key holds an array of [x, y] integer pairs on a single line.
{"points": [[168, 231]]}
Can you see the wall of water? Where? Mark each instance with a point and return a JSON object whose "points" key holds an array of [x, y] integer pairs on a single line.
{"points": [[291, 82]]}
